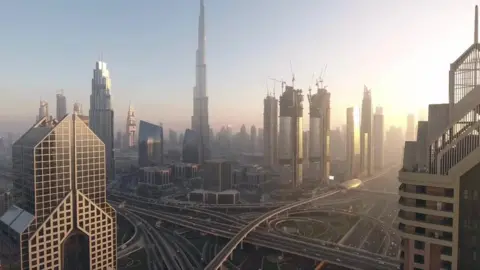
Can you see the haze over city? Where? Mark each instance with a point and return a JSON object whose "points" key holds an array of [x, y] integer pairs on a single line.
{"points": [[241, 134], [400, 50]]}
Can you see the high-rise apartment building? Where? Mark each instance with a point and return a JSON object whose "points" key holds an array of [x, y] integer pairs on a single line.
{"points": [[131, 128], [101, 113], [290, 139], [337, 144], [378, 139], [366, 133], [200, 98], [439, 193], [61, 105], [410, 131], [270, 131], [319, 152], [352, 143], [43, 110], [61, 218], [150, 144]]}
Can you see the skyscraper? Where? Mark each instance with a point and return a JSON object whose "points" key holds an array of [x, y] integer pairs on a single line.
{"points": [[319, 152], [150, 144], [378, 139], [366, 133], [410, 131], [190, 147], [61, 105], [61, 217], [77, 108], [439, 205], [270, 131], [131, 128], [290, 141], [253, 139], [101, 113], [352, 142], [43, 110], [200, 98]]}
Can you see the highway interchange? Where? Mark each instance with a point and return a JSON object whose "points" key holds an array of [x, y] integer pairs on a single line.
{"points": [[369, 243]]}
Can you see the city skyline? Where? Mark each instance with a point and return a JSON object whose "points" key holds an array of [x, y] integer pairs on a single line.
{"points": [[224, 45]]}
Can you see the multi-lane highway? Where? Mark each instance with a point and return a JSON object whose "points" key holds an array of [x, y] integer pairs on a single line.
{"points": [[326, 251]]}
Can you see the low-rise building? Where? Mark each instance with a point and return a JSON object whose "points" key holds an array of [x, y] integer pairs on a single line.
{"points": [[159, 177]]}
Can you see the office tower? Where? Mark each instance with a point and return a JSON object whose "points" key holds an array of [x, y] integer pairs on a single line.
{"points": [[439, 205], [119, 140], [270, 131], [131, 128], [290, 141], [378, 139], [366, 133], [200, 98], [337, 144], [61, 217], [190, 147], [172, 137], [319, 154], [394, 142], [150, 144], [410, 132], [61, 105], [77, 108], [253, 139], [101, 113], [260, 140], [43, 110], [352, 142], [217, 175], [306, 148]]}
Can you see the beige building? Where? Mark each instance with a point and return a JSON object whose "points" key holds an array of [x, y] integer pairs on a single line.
{"points": [[439, 207], [61, 219]]}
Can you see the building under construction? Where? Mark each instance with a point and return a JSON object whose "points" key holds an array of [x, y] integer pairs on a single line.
{"points": [[319, 153], [290, 141]]}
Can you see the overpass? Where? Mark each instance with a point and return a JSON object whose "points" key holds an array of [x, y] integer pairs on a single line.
{"points": [[217, 262], [314, 249]]}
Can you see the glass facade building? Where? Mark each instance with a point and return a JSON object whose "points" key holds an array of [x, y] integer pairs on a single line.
{"points": [[150, 144], [61, 219]]}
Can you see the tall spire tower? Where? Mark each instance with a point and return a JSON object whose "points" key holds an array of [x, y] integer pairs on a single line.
{"points": [[200, 100]]}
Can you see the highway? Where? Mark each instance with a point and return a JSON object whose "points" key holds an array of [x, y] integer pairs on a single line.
{"points": [[171, 256], [326, 251]]}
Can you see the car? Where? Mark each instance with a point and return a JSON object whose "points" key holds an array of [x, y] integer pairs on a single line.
{"points": [[381, 262], [338, 260]]}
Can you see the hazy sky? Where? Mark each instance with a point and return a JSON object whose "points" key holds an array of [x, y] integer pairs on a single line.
{"points": [[400, 49]]}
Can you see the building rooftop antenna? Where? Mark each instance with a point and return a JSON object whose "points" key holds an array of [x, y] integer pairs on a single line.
{"points": [[475, 38]]}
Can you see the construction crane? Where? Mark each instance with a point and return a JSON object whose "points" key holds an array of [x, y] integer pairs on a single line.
{"points": [[309, 95], [279, 81], [319, 82]]}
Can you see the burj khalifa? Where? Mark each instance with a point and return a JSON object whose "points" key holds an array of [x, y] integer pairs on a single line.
{"points": [[200, 99]]}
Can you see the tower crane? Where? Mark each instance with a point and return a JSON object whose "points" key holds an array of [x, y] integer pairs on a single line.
{"points": [[319, 82], [279, 81]]}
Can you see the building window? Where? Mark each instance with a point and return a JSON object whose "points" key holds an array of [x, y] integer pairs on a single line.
{"points": [[475, 195], [474, 255], [418, 259], [419, 245], [465, 194]]}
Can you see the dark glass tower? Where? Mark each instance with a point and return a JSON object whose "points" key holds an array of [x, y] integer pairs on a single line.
{"points": [[190, 147], [150, 144]]}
